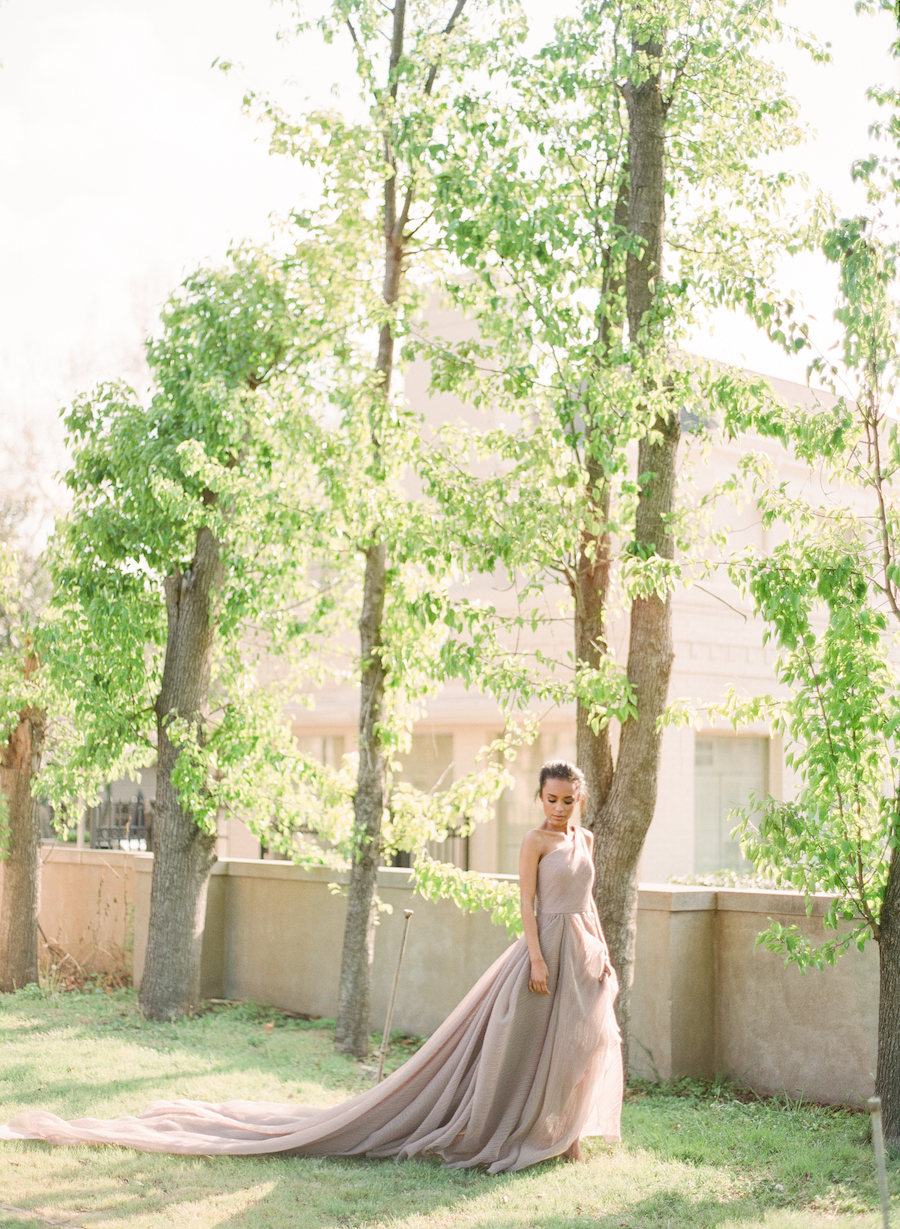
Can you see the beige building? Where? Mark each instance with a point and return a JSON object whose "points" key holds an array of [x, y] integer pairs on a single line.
{"points": [[705, 770]]}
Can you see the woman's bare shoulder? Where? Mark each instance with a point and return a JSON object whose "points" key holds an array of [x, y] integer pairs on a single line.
{"points": [[535, 839]]}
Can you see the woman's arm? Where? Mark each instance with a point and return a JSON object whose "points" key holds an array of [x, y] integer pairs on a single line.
{"points": [[528, 863]]}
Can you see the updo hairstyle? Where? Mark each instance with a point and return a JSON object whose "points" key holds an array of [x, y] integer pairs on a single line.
{"points": [[562, 770]]}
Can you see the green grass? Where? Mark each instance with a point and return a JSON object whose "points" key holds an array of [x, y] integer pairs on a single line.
{"points": [[692, 1156]]}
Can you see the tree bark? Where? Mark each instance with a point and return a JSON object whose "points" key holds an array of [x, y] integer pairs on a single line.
{"points": [[590, 587], [354, 991], [887, 1076], [620, 824], [591, 591], [352, 1034], [20, 762], [646, 196], [183, 853]]}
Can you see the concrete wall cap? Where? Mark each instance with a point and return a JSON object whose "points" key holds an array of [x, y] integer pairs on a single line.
{"points": [[764, 900], [675, 898], [667, 897], [85, 857], [259, 868]]}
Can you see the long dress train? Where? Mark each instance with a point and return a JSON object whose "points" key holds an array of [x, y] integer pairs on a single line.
{"points": [[510, 1078]]}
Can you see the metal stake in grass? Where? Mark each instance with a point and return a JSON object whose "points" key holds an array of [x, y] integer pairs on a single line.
{"points": [[407, 913], [878, 1141]]}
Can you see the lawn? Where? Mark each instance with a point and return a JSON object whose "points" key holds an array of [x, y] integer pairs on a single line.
{"points": [[691, 1156]]}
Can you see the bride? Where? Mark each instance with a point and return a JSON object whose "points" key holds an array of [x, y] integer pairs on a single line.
{"points": [[526, 1066]]}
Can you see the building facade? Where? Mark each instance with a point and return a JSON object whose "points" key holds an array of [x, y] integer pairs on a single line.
{"points": [[706, 770]]}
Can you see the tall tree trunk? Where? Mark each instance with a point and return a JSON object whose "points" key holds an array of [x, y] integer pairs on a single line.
{"points": [[354, 991], [621, 824], [20, 762], [590, 588], [591, 591], [625, 817], [887, 1077], [183, 853], [352, 1034]]}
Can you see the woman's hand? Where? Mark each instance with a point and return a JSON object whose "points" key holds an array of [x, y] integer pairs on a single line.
{"points": [[540, 974]]}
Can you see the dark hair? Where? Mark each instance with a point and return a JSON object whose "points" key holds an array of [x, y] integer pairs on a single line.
{"points": [[562, 770]]}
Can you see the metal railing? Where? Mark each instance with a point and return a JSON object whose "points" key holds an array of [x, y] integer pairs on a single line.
{"points": [[454, 850], [121, 825]]}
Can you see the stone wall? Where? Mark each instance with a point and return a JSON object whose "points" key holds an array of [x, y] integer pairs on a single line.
{"points": [[274, 933], [87, 909], [706, 1000]]}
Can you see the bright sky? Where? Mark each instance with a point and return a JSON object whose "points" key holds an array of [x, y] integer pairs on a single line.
{"points": [[126, 161]]}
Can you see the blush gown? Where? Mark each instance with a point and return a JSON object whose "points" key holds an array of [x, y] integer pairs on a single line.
{"points": [[509, 1079]]}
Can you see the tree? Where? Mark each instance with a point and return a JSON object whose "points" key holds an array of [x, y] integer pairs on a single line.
{"points": [[23, 714], [20, 764], [830, 597], [610, 201], [376, 194], [180, 560]]}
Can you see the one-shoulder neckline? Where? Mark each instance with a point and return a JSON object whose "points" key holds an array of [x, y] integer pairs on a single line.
{"points": [[563, 848]]}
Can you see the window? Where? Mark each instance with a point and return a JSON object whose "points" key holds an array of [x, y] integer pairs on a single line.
{"points": [[727, 769], [429, 764], [328, 749], [429, 767]]}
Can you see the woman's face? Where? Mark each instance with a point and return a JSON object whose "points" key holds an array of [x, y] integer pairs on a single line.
{"points": [[559, 799]]}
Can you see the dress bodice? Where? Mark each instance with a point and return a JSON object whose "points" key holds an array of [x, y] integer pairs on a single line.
{"points": [[565, 877]]}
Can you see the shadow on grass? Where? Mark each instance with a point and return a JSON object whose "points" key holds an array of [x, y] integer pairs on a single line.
{"points": [[250, 1041], [277, 1191], [797, 1156], [477, 1202], [761, 1159]]}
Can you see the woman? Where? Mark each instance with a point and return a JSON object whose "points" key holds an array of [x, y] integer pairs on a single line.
{"points": [[570, 930], [524, 1067]]}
